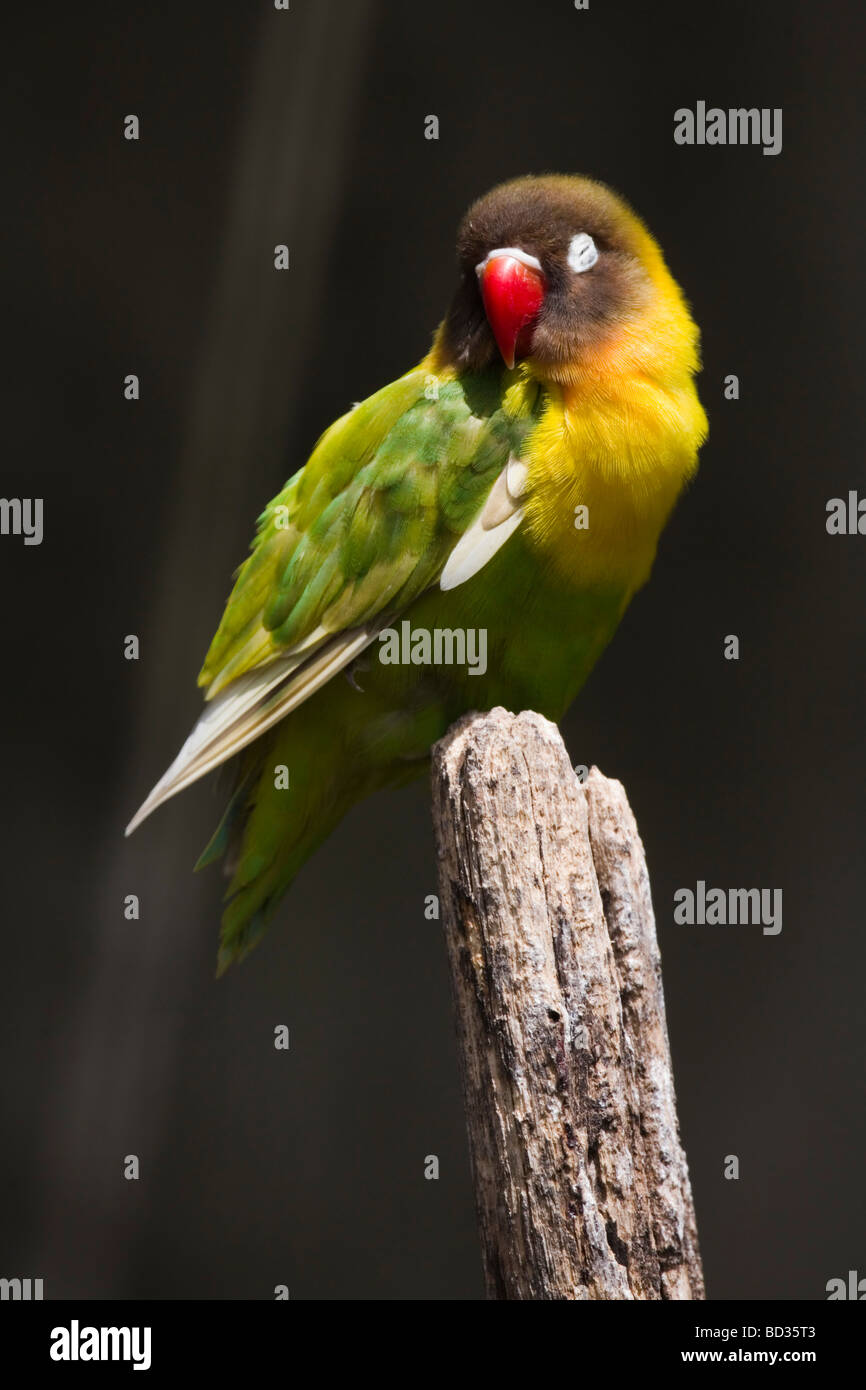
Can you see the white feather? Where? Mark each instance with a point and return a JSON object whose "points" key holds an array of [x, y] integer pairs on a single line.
{"points": [[499, 518], [249, 706]]}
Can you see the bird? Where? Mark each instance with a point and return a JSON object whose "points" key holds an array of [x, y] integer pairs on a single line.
{"points": [[508, 492]]}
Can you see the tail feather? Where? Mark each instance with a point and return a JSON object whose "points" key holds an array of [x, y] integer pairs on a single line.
{"points": [[269, 830], [273, 824], [253, 704], [219, 846]]}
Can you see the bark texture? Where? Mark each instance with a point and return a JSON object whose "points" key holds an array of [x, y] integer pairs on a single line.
{"points": [[582, 1188]]}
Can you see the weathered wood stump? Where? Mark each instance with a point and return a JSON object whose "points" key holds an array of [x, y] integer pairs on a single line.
{"points": [[581, 1183]]}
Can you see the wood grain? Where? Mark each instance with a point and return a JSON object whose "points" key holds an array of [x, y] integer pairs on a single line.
{"points": [[582, 1188]]}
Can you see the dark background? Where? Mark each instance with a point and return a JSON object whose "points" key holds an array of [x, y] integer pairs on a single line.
{"points": [[156, 257]]}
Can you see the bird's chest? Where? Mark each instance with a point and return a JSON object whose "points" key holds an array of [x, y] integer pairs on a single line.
{"points": [[602, 480]]}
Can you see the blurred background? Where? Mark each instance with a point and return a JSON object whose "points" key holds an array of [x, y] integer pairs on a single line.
{"points": [[155, 257]]}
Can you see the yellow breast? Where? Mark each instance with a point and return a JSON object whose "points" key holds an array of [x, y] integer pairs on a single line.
{"points": [[603, 477], [615, 446]]}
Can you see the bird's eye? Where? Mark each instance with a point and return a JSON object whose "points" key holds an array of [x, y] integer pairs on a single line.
{"points": [[582, 253]]}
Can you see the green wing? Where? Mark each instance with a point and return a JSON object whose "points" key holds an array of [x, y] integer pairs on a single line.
{"points": [[364, 528], [367, 525]]}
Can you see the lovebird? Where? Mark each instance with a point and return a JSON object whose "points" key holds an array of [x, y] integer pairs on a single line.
{"points": [[468, 536]]}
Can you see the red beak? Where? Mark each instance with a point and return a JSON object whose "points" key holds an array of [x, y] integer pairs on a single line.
{"points": [[513, 294]]}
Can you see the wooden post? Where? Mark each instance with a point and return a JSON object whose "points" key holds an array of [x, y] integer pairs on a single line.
{"points": [[581, 1183]]}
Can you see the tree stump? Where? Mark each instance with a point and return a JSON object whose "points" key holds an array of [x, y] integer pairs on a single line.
{"points": [[582, 1188]]}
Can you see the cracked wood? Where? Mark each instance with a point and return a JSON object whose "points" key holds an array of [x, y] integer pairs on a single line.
{"points": [[582, 1189]]}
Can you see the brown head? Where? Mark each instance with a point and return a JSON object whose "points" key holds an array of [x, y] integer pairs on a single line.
{"points": [[552, 269]]}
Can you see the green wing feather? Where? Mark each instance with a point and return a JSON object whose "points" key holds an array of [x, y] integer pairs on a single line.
{"points": [[368, 523]]}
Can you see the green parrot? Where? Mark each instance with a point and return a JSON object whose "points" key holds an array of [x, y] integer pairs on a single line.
{"points": [[468, 536]]}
